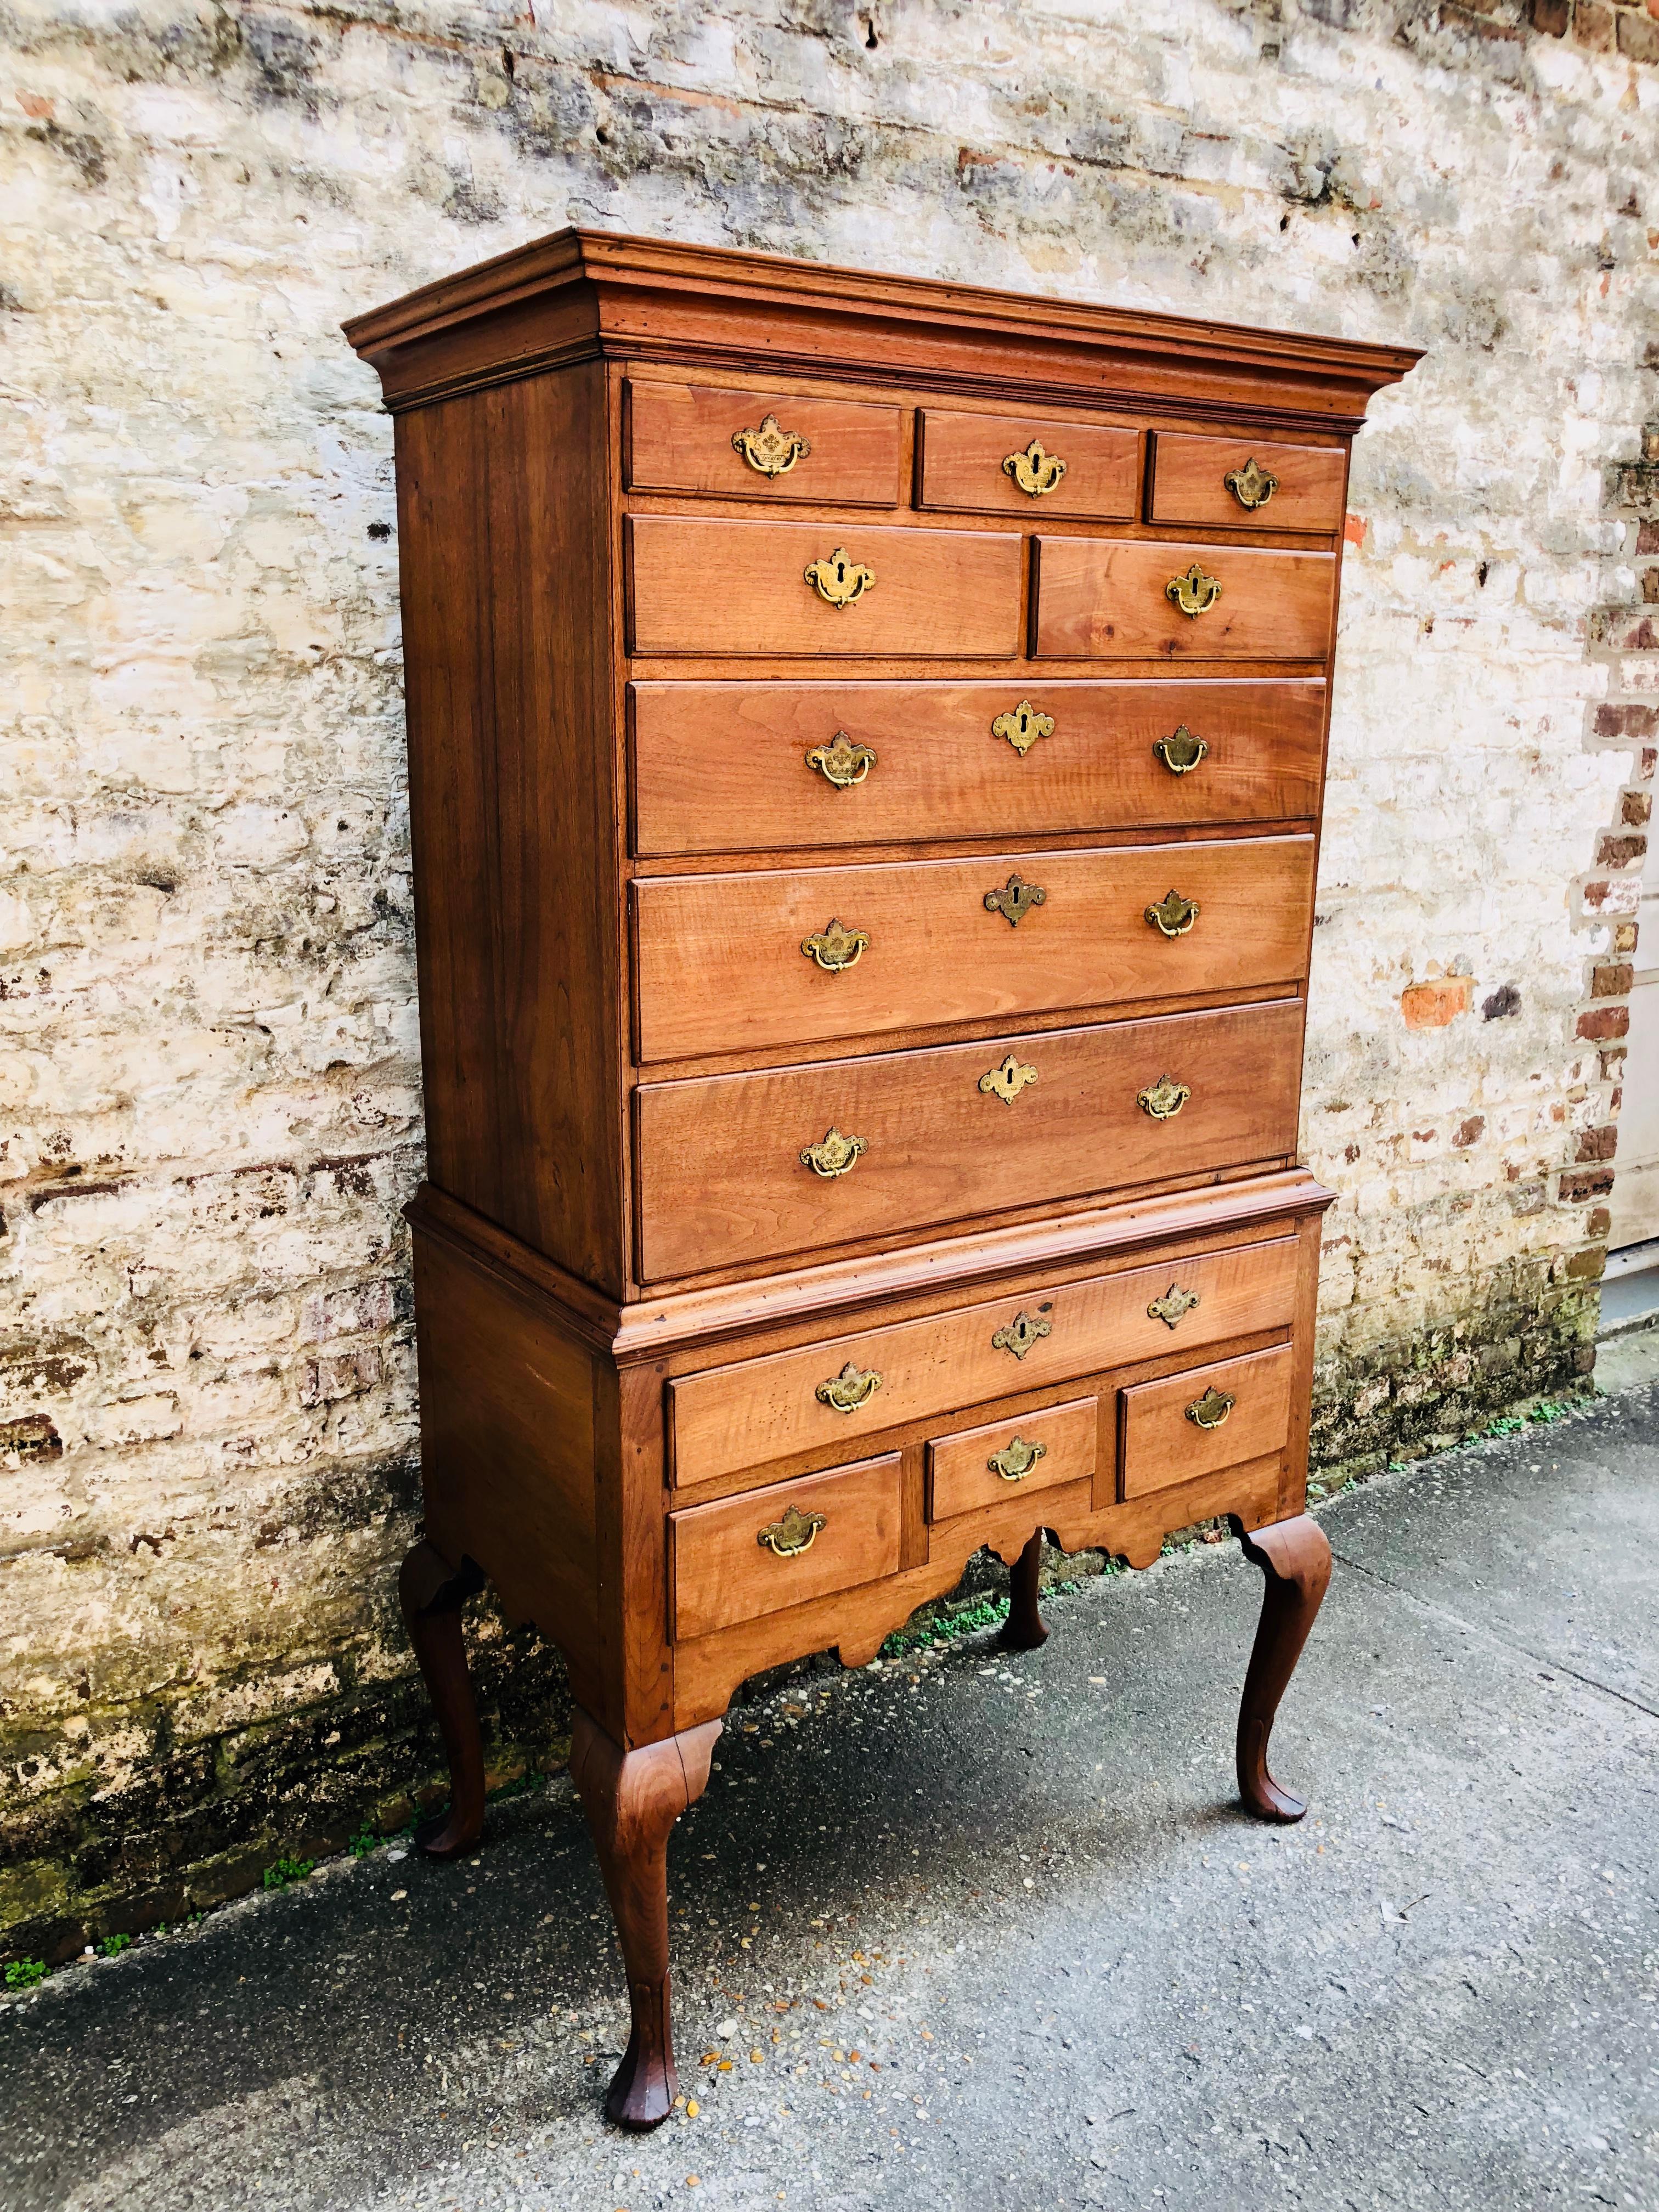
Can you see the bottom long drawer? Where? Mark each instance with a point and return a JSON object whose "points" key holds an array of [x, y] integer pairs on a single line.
{"points": [[737, 1168]]}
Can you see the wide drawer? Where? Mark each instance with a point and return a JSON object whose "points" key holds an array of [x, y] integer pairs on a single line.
{"points": [[761, 445], [1242, 484], [730, 589], [1203, 1420], [1021, 463], [770, 1548], [736, 963], [725, 768], [725, 1419], [989, 1465], [734, 1169], [1104, 599]]}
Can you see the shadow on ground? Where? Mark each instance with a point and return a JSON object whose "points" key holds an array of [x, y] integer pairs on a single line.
{"points": [[979, 1935]]}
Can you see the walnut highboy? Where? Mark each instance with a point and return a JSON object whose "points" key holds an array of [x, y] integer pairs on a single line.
{"points": [[865, 744]]}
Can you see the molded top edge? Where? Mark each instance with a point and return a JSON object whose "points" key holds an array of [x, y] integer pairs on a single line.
{"points": [[616, 263]]}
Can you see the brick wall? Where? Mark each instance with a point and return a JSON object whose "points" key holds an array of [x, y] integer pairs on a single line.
{"points": [[209, 1094]]}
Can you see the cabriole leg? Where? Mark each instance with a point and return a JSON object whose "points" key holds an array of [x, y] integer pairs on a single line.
{"points": [[632, 1799], [431, 1593], [1295, 1560], [1025, 1628]]}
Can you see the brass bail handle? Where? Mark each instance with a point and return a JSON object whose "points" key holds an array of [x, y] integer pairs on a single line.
{"points": [[1210, 1411], [797, 1532], [843, 762], [1016, 1459], [838, 578], [1194, 592]]}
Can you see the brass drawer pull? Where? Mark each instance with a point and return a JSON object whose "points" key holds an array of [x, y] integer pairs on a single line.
{"points": [[1035, 471], [1023, 725], [1180, 752], [1173, 915], [1163, 1098], [796, 1533], [1015, 900], [1250, 486], [1007, 1081], [1019, 1335], [852, 1388], [1173, 1305], [1194, 593], [839, 578], [1210, 1411], [834, 1154], [841, 761], [773, 452], [837, 948], [1016, 1460]]}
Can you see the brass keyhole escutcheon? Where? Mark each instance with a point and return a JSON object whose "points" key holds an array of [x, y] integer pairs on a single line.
{"points": [[797, 1532], [1174, 1304], [1015, 900], [852, 1388], [842, 761], [1252, 487], [1035, 471], [1162, 1099], [1173, 915], [1194, 593], [1210, 1411], [1016, 1459], [771, 451], [839, 578], [837, 948], [834, 1154], [1023, 725], [1007, 1081], [1180, 751], [1019, 1335]]}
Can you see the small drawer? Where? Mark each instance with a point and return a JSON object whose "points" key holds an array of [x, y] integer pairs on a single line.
{"points": [[734, 1169], [734, 589], [1101, 599], [833, 1395], [771, 1548], [1241, 483], [990, 1465], [737, 963], [1028, 464], [734, 768], [761, 445], [1208, 1418]]}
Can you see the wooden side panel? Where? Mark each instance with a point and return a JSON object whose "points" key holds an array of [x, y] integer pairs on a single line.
{"points": [[1100, 600], [722, 966], [723, 768], [513, 792], [509, 1454], [722, 1181], [680, 439], [740, 589]]}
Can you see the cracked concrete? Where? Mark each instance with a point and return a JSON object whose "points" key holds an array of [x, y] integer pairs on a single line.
{"points": [[996, 1928]]}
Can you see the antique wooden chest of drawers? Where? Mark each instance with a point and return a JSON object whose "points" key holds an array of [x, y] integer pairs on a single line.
{"points": [[865, 743]]}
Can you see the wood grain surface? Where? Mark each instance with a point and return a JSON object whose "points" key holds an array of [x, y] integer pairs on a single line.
{"points": [[960, 457], [1188, 482], [1101, 599], [679, 440], [722, 1573], [1160, 1448]]}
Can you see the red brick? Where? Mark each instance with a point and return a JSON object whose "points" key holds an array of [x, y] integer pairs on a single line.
{"points": [[1650, 584], [1600, 1222], [1611, 979], [1551, 16], [1468, 1132], [1591, 1183], [1602, 1023], [1432, 1006], [1598, 1144], [1587, 1266], [1619, 852], [1635, 807], [1592, 25], [1620, 720], [1647, 535], [1638, 38], [1624, 935]]}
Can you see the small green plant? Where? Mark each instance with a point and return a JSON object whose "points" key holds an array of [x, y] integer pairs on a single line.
{"points": [[287, 1870], [365, 1841], [1506, 1425], [25, 1973], [114, 1945]]}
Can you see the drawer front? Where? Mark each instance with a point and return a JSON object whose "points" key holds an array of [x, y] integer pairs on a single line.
{"points": [[907, 1140], [1198, 1422], [727, 1420], [734, 962], [730, 589], [1099, 599], [757, 1553], [990, 1465], [721, 768], [986, 464], [1241, 483], [761, 445]]}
